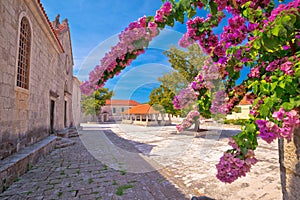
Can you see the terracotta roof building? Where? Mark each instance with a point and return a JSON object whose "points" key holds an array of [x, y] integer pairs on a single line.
{"points": [[116, 102], [143, 109], [112, 111], [244, 102], [143, 114], [243, 110]]}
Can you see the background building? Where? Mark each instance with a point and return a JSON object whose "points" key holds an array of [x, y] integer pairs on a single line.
{"points": [[112, 111], [35, 75], [243, 110], [76, 102]]}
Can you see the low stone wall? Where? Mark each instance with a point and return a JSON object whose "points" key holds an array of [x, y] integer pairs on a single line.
{"points": [[289, 156], [144, 123], [14, 166], [124, 121]]}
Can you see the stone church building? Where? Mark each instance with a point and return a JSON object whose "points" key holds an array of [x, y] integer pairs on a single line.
{"points": [[36, 73]]}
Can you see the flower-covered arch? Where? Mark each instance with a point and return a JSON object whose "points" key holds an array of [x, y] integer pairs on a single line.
{"points": [[262, 35]]}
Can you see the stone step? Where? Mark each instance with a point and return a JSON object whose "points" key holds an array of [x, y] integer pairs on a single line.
{"points": [[17, 164], [68, 133], [64, 142]]}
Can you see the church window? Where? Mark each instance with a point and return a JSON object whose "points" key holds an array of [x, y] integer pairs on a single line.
{"points": [[24, 54]]}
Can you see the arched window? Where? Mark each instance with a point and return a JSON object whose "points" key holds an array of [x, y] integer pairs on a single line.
{"points": [[24, 54]]}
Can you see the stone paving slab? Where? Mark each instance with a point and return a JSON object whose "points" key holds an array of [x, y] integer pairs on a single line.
{"points": [[194, 167], [73, 173], [155, 161]]}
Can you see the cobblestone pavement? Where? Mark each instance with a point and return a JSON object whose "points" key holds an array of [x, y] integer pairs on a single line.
{"points": [[73, 173], [191, 162], [152, 162]]}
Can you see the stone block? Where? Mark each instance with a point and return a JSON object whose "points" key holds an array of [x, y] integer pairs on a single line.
{"points": [[290, 167], [17, 164]]}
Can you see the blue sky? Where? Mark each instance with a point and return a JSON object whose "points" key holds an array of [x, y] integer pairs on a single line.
{"points": [[94, 29], [95, 26]]}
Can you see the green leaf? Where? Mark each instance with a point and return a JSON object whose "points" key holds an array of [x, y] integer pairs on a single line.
{"points": [[295, 101], [257, 44], [264, 110], [282, 84], [270, 44], [290, 88], [213, 7], [264, 87], [247, 11], [186, 4], [205, 2], [277, 29], [191, 13], [273, 86], [287, 106], [244, 151], [285, 19], [297, 24], [297, 72], [251, 128], [288, 20], [180, 18]]}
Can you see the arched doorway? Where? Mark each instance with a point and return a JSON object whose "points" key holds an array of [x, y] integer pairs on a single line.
{"points": [[105, 117]]}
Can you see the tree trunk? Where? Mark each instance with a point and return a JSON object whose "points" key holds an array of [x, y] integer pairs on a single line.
{"points": [[289, 159], [170, 120], [197, 126]]}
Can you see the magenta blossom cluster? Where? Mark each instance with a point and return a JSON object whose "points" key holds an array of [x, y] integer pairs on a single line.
{"points": [[163, 12], [210, 71], [208, 42], [289, 121], [231, 167], [198, 83], [132, 42], [272, 66], [184, 98], [282, 7], [222, 4], [287, 68], [185, 41], [193, 26], [220, 103], [268, 131], [189, 121], [207, 39], [233, 143], [254, 72], [235, 33]]}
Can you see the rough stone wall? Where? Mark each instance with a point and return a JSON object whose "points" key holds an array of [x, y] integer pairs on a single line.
{"points": [[25, 114], [118, 111], [66, 72], [290, 167], [76, 106]]}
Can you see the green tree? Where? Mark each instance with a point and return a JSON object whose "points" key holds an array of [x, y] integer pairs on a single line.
{"points": [[92, 104], [173, 81], [161, 99], [186, 63]]}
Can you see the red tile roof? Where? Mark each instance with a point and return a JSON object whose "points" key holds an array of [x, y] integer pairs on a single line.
{"points": [[244, 102], [122, 102], [50, 24], [141, 109]]}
